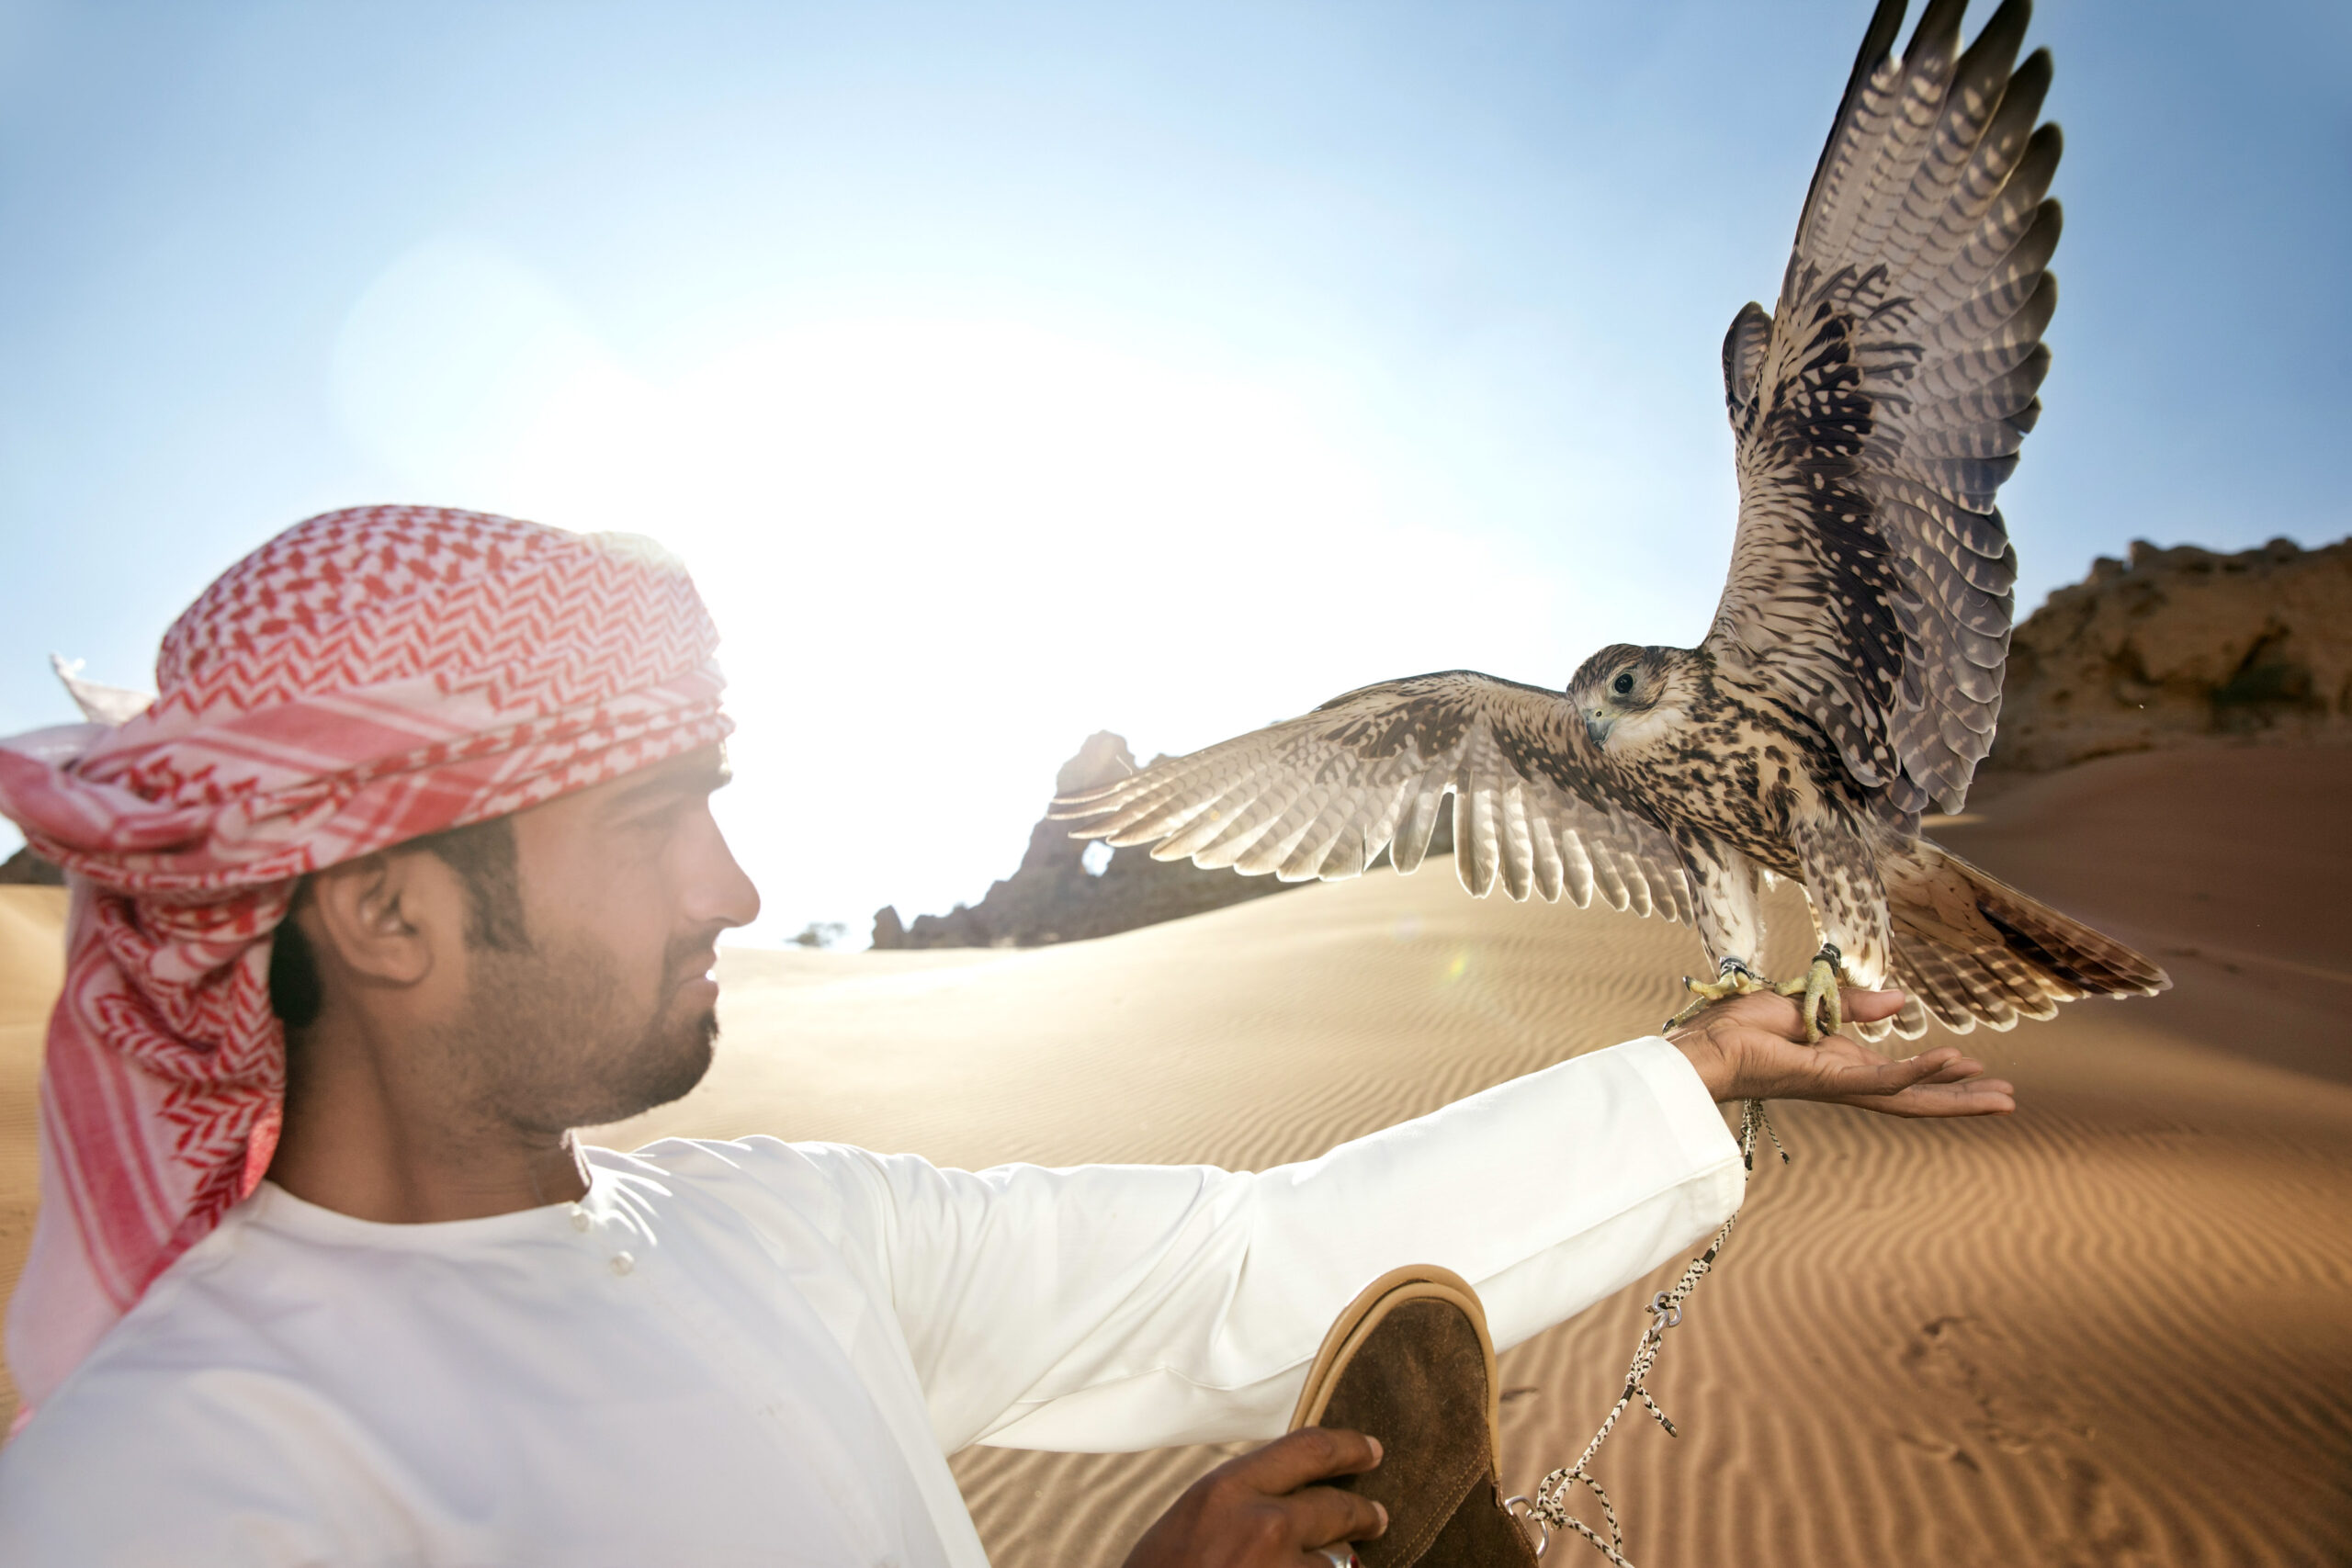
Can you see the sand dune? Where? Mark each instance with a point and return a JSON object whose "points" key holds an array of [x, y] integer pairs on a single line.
{"points": [[32, 958], [2111, 1329]]}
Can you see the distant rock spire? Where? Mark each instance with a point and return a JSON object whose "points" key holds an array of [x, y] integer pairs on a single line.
{"points": [[1053, 898]]}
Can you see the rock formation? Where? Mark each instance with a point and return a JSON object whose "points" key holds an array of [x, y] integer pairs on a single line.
{"points": [[25, 866], [1055, 898], [2182, 646]]}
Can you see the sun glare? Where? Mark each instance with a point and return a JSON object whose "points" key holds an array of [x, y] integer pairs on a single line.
{"points": [[941, 549]]}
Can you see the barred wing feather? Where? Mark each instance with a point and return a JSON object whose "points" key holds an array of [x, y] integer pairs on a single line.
{"points": [[1322, 795], [1880, 407]]}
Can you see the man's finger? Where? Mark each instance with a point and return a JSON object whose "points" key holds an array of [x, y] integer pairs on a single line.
{"points": [[1978, 1097], [1890, 1078], [1943, 1067], [1942, 1064], [1776, 1014], [1951, 1100], [1869, 1006], [1325, 1515], [1311, 1453]]}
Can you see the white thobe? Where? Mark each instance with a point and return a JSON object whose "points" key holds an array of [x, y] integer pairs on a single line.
{"points": [[764, 1352]]}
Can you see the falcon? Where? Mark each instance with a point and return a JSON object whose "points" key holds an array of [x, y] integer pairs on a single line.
{"points": [[1851, 676]]}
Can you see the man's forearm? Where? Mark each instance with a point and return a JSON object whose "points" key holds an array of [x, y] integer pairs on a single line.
{"points": [[1547, 1192]]}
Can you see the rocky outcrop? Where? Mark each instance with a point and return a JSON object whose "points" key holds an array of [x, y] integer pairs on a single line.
{"points": [[25, 867], [2182, 646], [1057, 897]]}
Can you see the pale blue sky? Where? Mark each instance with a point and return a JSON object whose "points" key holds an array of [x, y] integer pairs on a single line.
{"points": [[1010, 371]]}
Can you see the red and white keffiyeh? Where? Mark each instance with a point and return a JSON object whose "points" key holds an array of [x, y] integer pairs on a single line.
{"points": [[367, 677]]}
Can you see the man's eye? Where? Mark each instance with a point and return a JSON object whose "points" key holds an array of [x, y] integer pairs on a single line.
{"points": [[1623, 684], [660, 818]]}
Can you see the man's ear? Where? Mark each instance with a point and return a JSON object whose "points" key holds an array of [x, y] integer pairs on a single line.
{"points": [[389, 919]]}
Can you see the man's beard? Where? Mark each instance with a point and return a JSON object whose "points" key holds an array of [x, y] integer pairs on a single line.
{"points": [[550, 1044]]}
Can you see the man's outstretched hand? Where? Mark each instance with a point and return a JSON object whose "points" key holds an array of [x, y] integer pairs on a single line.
{"points": [[1752, 1047], [1259, 1511]]}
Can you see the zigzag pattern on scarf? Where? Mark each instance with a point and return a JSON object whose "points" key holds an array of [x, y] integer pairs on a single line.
{"points": [[353, 599], [367, 677]]}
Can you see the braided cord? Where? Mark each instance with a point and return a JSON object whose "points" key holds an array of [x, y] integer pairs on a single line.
{"points": [[1549, 1507]]}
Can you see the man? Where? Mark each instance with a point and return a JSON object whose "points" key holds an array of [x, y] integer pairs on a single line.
{"points": [[409, 871]]}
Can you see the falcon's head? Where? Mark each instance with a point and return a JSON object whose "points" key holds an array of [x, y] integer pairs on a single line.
{"points": [[1630, 694]]}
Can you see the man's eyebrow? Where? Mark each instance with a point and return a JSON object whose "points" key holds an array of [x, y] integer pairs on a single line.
{"points": [[660, 782]]}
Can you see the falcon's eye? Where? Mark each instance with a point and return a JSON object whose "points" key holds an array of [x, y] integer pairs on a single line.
{"points": [[1623, 684]]}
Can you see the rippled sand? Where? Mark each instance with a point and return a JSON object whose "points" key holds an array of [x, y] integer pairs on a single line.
{"points": [[2111, 1329]]}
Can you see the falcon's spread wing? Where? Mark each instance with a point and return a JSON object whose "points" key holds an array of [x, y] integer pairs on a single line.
{"points": [[1321, 795], [1878, 412]]}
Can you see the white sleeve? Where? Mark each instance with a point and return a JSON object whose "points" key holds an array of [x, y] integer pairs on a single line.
{"points": [[1120, 1307]]}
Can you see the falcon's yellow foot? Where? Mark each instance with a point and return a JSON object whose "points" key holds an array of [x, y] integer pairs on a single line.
{"points": [[1732, 979], [1817, 1003]]}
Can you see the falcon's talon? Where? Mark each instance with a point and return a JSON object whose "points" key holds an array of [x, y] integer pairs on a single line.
{"points": [[1732, 979], [1818, 1002]]}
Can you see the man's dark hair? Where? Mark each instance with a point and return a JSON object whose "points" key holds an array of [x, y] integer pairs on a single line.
{"points": [[482, 854]]}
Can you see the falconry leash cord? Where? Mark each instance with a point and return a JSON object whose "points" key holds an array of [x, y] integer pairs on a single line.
{"points": [[1549, 1509]]}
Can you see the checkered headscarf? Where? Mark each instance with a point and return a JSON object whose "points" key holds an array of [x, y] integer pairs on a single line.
{"points": [[367, 677]]}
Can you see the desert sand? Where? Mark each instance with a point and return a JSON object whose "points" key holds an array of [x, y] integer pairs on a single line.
{"points": [[2115, 1328]]}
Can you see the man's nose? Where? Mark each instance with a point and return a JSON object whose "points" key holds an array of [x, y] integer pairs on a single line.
{"points": [[718, 890]]}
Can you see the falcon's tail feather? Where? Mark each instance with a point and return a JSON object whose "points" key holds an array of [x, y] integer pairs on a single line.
{"points": [[1973, 950]]}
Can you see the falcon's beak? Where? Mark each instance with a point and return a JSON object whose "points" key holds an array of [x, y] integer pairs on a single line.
{"points": [[1597, 725]]}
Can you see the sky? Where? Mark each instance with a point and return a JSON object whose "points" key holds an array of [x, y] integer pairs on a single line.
{"points": [[1007, 372]]}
